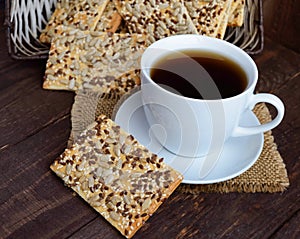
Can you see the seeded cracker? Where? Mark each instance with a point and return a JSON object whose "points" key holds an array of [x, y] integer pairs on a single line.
{"points": [[110, 19], [81, 14], [210, 17], [233, 8], [224, 23], [117, 176], [83, 59], [236, 17], [158, 19]]}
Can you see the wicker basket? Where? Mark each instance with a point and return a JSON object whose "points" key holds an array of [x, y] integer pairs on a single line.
{"points": [[25, 19]]}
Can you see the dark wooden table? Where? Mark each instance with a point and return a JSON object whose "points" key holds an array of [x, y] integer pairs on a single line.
{"points": [[35, 126]]}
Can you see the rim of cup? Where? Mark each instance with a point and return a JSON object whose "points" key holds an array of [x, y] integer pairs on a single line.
{"points": [[156, 45]]}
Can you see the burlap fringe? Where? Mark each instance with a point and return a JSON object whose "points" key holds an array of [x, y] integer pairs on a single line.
{"points": [[267, 175], [87, 106]]}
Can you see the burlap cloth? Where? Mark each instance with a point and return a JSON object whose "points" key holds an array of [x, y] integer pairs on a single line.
{"points": [[268, 174]]}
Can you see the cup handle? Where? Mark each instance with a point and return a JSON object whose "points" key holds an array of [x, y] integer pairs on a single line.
{"points": [[257, 98]]}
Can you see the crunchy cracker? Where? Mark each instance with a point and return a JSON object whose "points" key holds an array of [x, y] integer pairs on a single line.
{"points": [[79, 14], [83, 59], [121, 84], [116, 175], [157, 19], [224, 22], [210, 16], [110, 19], [236, 16]]}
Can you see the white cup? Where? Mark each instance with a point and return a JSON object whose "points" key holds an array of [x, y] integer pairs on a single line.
{"points": [[197, 127]]}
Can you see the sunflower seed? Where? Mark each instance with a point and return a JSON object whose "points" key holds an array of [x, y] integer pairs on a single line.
{"points": [[146, 204], [91, 181], [115, 216], [117, 150], [109, 179]]}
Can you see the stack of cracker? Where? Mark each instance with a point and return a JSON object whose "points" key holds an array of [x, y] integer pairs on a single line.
{"points": [[91, 40], [97, 45]]}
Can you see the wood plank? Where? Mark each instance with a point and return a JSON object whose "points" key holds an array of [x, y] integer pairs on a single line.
{"points": [[12, 71], [276, 65], [34, 203], [290, 229], [287, 134], [205, 216], [282, 21], [98, 228], [25, 108]]}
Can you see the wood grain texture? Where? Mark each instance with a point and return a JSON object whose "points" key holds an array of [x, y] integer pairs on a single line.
{"points": [[35, 126], [33, 200], [282, 21], [25, 108], [289, 229], [276, 66]]}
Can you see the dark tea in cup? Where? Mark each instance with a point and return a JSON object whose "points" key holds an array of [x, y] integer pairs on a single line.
{"points": [[199, 75]]}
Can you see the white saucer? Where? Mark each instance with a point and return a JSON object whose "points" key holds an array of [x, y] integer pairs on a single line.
{"points": [[238, 154]]}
